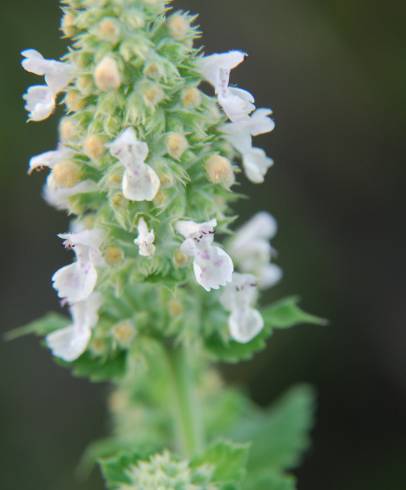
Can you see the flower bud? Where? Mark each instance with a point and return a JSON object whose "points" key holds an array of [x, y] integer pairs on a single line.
{"points": [[178, 27], [67, 130], [160, 199], [68, 24], [107, 75], [135, 19], [180, 259], [85, 84], [94, 146], [99, 346], [118, 200], [109, 30], [124, 333], [74, 102], [220, 171], [191, 98], [175, 307], [152, 70], [176, 145], [66, 173], [152, 95], [113, 255]]}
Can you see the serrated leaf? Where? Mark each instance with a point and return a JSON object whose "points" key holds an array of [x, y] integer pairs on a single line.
{"points": [[280, 435], [286, 313], [228, 461], [114, 469], [270, 480], [41, 327]]}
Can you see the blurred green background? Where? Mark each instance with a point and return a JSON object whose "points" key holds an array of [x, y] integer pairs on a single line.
{"points": [[334, 72]]}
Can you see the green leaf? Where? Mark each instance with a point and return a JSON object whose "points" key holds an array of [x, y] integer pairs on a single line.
{"points": [[41, 327], [280, 435], [286, 313], [270, 480], [97, 368], [114, 469], [228, 461]]}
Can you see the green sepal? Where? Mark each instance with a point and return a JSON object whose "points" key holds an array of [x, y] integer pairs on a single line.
{"points": [[41, 327], [286, 313], [228, 461]]}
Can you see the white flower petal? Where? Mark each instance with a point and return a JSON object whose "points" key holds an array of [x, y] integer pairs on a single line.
{"points": [[68, 343], [141, 183], [34, 62], [59, 196], [213, 268], [237, 103], [216, 68], [48, 159], [245, 324], [191, 228], [256, 165], [40, 102], [260, 122], [145, 239], [128, 150], [75, 282], [269, 276]]}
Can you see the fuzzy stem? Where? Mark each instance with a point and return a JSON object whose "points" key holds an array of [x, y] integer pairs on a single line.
{"points": [[185, 405]]}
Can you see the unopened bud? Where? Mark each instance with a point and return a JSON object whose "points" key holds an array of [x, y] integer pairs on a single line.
{"points": [[220, 171], [191, 98], [94, 146], [124, 333], [160, 199], [135, 19], [99, 346], [66, 173], [176, 145], [175, 307], [68, 24], [178, 27], [113, 255], [67, 130], [152, 95], [118, 200], [109, 30], [115, 179], [74, 102], [152, 70], [180, 259], [106, 75]]}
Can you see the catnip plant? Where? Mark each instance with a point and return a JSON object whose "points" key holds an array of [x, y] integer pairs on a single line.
{"points": [[151, 148]]}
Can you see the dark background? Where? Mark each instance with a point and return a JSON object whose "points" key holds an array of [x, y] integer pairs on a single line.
{"points": [[334, 71]]}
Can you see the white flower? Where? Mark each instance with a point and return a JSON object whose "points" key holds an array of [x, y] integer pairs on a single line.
{"points": [[240, 133], [252, 252], [70, 342], [59, 196], [245, 322], [40, 102], [140, 181], [57, 74], [256, 164], [212, 266], [145, 239], [75, 282], [216, 69], [49, 159]]}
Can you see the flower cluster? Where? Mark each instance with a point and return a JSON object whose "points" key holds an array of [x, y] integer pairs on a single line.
{"points": [[145, 159]]}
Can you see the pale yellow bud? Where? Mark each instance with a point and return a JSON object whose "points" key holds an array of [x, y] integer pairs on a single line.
{"points": [[180, 259], [160, 199], [175, 307], [113, 255], [220, 171], [118, 200], [124, 333], [67, 130], [152, 95], [99, 346], [115, 179], [176, 144], [107, 75], [166, 180], [191, 98], [135, 19], [68, 24], [66, 173], [85, 84], [94, 146], [74, 102], [152, 70], [178, 27], [109, 30]]}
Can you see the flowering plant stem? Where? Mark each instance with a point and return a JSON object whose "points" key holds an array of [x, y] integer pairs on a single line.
{"points": [[186, 411]]}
